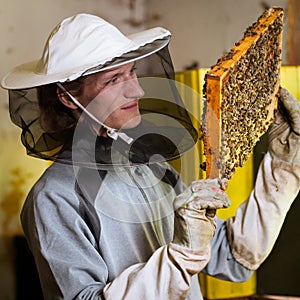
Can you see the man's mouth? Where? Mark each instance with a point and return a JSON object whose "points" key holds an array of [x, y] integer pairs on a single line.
{"points": [[130, 106]]}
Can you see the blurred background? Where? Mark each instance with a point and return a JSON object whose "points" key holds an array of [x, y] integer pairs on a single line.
{"points": [[202, 32]]}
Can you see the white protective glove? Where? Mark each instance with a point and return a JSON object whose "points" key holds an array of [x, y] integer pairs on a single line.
{"points": [[195, 212], [253, 231], [284, 134]]}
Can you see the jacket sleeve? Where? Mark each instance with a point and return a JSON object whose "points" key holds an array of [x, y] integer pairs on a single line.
{"points": [[71, 266], [253, 231], [166, 275], [222, 264]]}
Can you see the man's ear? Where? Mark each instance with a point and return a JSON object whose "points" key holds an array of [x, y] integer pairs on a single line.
{"points": [[65, 99]]}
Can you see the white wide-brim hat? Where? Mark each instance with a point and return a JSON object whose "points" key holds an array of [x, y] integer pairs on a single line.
{"points": [[84, 44]]}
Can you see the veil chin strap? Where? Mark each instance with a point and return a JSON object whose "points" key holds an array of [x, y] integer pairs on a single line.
{"points": [[111, 132]]}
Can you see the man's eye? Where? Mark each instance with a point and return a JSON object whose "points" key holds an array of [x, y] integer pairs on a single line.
{"points": [[113, 80], [133, 70]]}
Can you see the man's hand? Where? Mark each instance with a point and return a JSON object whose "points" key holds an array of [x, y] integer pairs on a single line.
{"points": [[195, 210]]}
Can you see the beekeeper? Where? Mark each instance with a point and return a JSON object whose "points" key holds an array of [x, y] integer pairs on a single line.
{"points": [[110, 218]]}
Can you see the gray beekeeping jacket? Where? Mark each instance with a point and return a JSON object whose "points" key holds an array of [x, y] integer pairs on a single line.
{"points": [[89, 228]]}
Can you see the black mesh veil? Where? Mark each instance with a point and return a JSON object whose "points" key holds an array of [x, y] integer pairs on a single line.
{"points": [[165, 132]]}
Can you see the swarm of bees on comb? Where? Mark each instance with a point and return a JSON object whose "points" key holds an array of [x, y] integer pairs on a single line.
{"points": [[240, 92]]}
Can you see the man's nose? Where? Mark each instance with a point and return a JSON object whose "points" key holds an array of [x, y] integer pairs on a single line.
{"points": [[133, 89]]}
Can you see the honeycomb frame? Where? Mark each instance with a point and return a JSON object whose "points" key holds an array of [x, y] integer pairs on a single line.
{"points": [[240, 95]]}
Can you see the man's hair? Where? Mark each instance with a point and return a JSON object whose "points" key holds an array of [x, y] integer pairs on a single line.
{"points": [[56, 117]]}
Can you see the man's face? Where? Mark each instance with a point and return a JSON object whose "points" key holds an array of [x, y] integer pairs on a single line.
{"points": [[112, 96]]}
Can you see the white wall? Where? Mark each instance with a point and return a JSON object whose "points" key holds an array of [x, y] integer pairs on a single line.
{"points": [[205, 29]]}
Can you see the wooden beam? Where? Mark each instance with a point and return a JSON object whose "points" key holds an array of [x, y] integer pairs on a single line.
{"points": [[293, 22]]}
